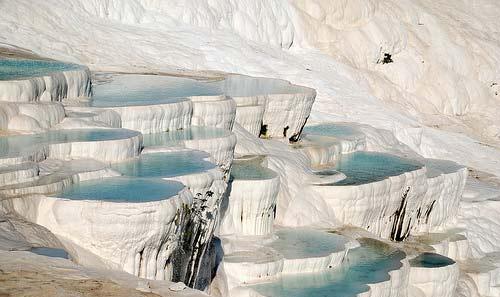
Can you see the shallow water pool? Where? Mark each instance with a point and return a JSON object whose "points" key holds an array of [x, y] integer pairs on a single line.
{"points": [[135, 89], [172, 138], [431, 260], [251, 169], [12, 69], [50, 252], [367, 167], [166, 164], [301, 243], [123, 189], [364, 265], [337, 130], [15, 145]]}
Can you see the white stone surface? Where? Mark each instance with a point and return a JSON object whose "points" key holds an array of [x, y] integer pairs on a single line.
{"points": [[58, 86], [30, 117], [434, 282], [213, 111], [250, 207], [250, 117], [142, 239], [155, 118]]}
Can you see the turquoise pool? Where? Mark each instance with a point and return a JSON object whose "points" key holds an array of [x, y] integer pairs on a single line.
{"points": [[251, 169], [172, 138], [364, 265], [337, 130], [16, 145], [135, 89], [301, 243], [50, 252], [431, 260], [12, 69], [165, 164], [367, 167], [123, 189]]}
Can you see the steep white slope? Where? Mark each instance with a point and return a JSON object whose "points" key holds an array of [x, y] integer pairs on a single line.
{"points": [[165, 38]]}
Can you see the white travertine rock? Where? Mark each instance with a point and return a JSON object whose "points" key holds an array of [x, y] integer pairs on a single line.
{"points": [[250, 117], [30, 117], [57, 86], [106, 150], [324, 150], [62, 175], [286, 106], [88, 117], [221, 149], [213, 111], [18, 173], [250, 207], [155, 118], [435, 281], [141, 241]]}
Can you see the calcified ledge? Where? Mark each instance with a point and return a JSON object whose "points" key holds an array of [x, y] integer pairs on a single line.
{"points": [[53, 86]]}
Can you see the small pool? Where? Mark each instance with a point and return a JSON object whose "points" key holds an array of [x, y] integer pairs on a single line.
{"points": [[436, 167], [368, 264], [15, 145], [244, 86], [13, 69], [172, 138], [299, 243], [431, 260], [337, 130], [166, 164], [251, 169], [367, 167], [50, 252], [134, 89], [123, 189]]}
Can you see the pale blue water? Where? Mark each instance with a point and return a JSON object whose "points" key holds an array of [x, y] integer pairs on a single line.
{"points": [[330, 129], [300, 243], [364, 265], [50, 252], [11, 69], [431, 260], [367, 167], [165, 164], [436, 167], [16, 145], [250, 170], [172, 138], [123, 189], [135, 89]]}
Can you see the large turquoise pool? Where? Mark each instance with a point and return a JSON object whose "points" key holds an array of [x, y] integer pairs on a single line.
{"points": [[165, 164], [16, 145], [172, 138], [251, 169], [364, 265], [123, 189], [12, 69], [368, 167], [135, 89]]}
